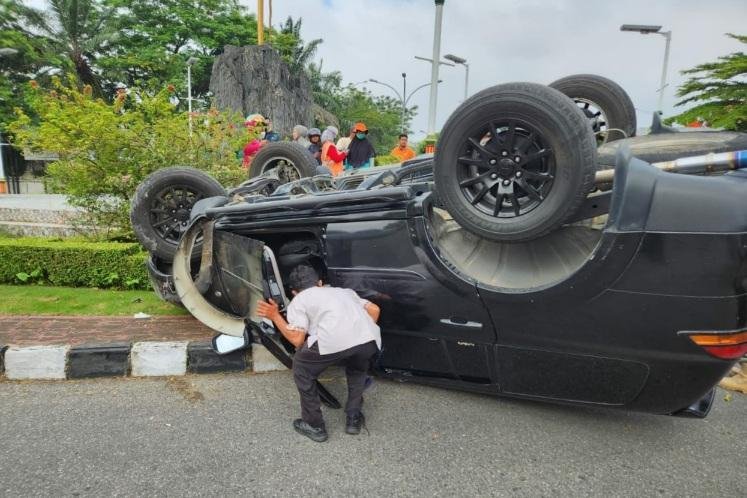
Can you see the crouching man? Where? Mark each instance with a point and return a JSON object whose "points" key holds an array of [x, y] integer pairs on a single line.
{"points": [[341, 330]]}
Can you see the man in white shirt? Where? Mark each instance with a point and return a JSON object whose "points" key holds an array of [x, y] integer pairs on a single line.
{"points": [[341, 329]]}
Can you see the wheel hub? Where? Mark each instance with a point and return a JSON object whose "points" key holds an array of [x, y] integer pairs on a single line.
{"points": [[506, 168]]}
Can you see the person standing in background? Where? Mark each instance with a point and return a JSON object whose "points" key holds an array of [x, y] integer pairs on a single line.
{"points": [[402, 151], [315, 144], [299, 135], [361, 153], [331, 157]]}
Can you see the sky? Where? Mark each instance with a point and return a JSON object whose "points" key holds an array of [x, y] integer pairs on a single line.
{"points": [[515, 40]]}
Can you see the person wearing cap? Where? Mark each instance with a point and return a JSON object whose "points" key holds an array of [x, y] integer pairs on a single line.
{"points": [[361, 153], [402, 152], [328, 326], [331, 157], [315, 144], [299, 135]]}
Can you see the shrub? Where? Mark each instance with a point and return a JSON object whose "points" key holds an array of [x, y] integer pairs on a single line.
{"points": [[73, 264], [387, 159], [105, 149]]}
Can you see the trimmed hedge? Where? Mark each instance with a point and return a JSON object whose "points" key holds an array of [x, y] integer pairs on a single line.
{"points": [[73, 263]]}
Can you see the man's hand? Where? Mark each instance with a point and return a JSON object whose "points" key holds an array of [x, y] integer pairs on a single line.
{"points": [[267, 309]]}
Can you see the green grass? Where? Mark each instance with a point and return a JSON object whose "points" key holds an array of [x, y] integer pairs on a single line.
{"points": [[40, 300]]}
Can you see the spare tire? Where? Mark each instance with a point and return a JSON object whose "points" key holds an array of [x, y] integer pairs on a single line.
{"points": [[513, 162], [291, 160], [160, 210], [606, 105]]}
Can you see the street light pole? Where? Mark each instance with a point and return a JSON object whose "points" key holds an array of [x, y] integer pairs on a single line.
{"points": [[646, 29], [404, 92], [404, 99], [190, 61], [663, 82], [434, 66]]}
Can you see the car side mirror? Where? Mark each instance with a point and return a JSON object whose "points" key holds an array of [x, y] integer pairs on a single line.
{"points": [[224, 344]]}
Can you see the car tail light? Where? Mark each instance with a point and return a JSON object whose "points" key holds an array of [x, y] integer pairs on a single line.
{"points": [[727, 345]]}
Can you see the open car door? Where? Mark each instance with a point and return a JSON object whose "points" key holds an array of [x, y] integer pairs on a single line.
{"points": [[235, 272]]}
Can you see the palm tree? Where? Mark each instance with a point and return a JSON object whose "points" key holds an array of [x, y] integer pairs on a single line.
{"points": [[77, 30], [296, 53]]}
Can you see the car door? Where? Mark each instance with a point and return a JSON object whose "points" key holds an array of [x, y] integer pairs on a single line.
{"points": [[433, 324]]}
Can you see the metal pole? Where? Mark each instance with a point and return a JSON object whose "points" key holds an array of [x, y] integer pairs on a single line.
{"points": [[260, 22], [189, 95], [663, 83], [434, 66], [3, 184], [404, 93], [466, 80]]}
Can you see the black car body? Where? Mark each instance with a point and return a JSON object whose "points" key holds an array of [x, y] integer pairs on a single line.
{"points": [[590, 315]]}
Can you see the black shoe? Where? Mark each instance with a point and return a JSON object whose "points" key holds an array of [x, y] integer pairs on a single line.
{"points": [[355, 423], [318, 434]]}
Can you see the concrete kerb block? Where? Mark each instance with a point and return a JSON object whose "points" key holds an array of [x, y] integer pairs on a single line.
{"points": [[36, 362], [202, 359], [98, 360], [2, 359], [263, 361], [158, 359]]}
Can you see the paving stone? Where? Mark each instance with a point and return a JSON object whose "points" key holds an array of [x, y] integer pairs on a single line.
{"points": [[36, 362], [98, 360], [149, 359], [201, 358], [264, 361]]}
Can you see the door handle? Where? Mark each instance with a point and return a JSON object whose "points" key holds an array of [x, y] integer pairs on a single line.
{"points": [[461, 322]]}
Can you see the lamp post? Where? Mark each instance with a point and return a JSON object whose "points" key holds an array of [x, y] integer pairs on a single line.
{"points": [[190, 62], [646, 29], [434, 66], [459, 60], [403, 98]]}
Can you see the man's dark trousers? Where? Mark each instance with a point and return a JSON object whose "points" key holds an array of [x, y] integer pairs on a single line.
{"points": [[308, 365]]}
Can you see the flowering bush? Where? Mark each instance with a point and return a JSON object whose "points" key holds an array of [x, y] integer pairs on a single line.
{"points": [[105, 149]]}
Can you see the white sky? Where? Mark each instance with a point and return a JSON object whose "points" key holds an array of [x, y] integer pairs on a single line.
{"points": [[516, 40]]}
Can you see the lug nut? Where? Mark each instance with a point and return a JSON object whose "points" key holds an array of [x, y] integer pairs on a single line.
{"points": [[492, 161], [504, 153], [506, 183], [517, 159], [494, 176], [518, 174]]}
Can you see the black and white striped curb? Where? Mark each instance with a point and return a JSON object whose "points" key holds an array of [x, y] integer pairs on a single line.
{"points": [[139, 359]]}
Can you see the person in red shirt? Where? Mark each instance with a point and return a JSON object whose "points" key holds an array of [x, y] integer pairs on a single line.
{"points": [[402, 151]]}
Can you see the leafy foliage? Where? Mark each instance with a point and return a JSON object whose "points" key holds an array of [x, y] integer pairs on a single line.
{"points": [[73, 264], [288, 42], [105, 149], [720, 90]]}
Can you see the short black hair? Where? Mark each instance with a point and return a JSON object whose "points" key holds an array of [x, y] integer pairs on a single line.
{"points": [[402, 135], [302, 277]]}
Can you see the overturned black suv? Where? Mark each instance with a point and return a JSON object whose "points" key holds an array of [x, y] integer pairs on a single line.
{"points": [[516, 261]]}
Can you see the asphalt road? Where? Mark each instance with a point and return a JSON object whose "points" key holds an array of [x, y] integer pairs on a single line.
{"points": [[231, 435]]}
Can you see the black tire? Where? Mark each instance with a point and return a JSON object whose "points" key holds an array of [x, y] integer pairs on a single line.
{"points": [[525, 179], [293, 161], [161, 208], [607, 106]]}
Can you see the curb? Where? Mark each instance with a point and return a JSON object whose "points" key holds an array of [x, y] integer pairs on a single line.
{"points": [[123, 359]]}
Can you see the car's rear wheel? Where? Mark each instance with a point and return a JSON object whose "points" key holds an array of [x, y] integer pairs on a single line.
{"points": [[162, 205], [604, 103], [291, 161], [514, 161]]}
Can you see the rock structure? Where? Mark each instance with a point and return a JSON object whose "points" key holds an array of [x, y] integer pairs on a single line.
{"points": [[254, 79]]}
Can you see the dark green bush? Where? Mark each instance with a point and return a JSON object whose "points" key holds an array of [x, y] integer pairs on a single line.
{"points": [[72, 263]]}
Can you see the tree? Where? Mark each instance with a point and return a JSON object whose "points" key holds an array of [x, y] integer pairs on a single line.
{"points": [[106, 148], [720, 89], [297, 54], [159, 36]]}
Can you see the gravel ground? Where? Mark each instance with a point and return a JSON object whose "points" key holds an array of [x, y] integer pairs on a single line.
{"points": [[226, 435]]}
